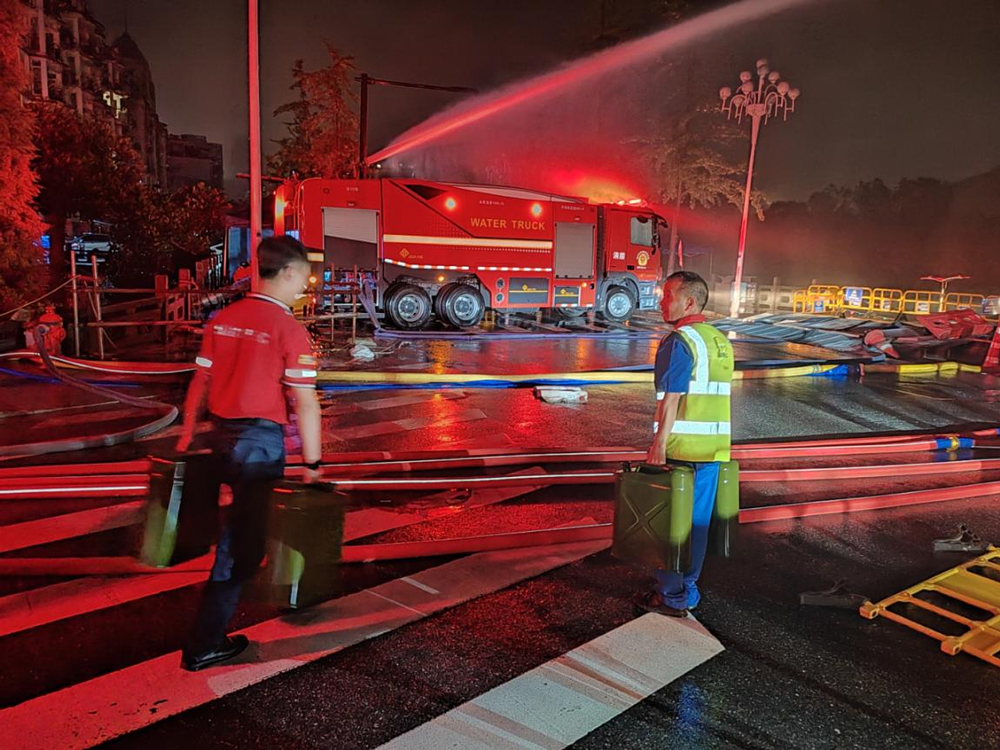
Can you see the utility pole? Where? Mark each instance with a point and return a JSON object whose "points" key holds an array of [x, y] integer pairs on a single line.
{"points": [[256, 191], [769, 97]]}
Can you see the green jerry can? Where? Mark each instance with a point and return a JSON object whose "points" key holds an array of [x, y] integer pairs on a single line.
{"points": [[652, 523], [182, 511], [306, 531], [725, 524]]}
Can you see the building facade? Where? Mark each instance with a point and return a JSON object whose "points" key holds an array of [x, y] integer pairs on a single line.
{"points": [[141, 120], [69, 61], [192, 159]]}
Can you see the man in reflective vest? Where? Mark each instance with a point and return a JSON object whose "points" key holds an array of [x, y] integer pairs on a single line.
{"points": [[693, 372]]}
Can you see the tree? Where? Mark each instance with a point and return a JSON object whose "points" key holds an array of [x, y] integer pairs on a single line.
{"points": [[163, 232], [21, 269], [688, 170], [84, 170], [323, 133], [197, 215]]}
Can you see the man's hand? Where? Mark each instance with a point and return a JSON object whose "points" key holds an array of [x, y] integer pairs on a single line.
{"points": [[312, 476], [184, 441], [666, 413], [192, 409]]}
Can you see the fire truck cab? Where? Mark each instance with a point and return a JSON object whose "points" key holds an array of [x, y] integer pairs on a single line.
{"points": [[451, 251]]}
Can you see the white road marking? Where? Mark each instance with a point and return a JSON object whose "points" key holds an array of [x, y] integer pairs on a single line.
{"points": [[385, 598], [560, 702], [41, 606], [57, 528], [407, 425], [95, 711], [419, 585]]}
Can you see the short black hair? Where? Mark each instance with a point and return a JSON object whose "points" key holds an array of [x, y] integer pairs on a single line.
{"points": [[693, 284], [276, 253]]}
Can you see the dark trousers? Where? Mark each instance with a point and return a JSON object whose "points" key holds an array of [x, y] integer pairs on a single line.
{"points": [[248, 455]]}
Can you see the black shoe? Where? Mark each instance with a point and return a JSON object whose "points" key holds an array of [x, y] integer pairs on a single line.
{"points": [[651, 601], [226, 650]]}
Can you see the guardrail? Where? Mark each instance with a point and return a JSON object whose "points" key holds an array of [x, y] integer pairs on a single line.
{"points": [[818, 298], [161, 310], [826, 299]]}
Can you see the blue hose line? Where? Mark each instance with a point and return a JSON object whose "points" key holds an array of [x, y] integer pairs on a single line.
{"points": [[954, 443], [839, 371], [54, 381], [495, 384]]}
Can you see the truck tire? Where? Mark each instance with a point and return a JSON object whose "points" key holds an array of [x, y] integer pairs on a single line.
{"points": [[461, 305], [408, 306], [571, 313], [438, 305], [619, 304]]}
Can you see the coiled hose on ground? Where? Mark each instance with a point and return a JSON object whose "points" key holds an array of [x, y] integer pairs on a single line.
{"points": [[90, 441]]}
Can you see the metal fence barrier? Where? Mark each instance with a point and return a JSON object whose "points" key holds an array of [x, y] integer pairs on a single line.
{"points": [[826, 299]]}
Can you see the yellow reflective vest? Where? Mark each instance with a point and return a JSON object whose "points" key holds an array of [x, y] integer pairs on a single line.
{"points": [[701, 431]]}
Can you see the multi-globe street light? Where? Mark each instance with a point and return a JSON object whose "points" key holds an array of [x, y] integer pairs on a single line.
{"points": [[759, 102]]}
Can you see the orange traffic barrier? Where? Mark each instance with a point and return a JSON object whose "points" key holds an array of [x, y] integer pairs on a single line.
{"points": [[922, 302], [963, 301]]}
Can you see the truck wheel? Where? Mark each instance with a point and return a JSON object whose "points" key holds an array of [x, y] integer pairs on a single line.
{"points": [[619, 304], [462, 305], [408, 306], [571, 312], [439, 301]]}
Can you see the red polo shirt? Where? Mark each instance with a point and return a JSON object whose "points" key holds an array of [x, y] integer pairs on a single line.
{"points": [[253, 350]]}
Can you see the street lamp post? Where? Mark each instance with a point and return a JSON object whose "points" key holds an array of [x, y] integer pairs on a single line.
{"points": [[768, 98], [944, 281]]}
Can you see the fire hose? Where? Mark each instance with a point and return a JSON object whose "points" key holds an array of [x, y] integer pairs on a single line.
{"points": [[91, 441]]}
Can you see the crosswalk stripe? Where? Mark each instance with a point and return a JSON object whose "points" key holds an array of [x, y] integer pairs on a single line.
{"points": [[32, 609], [37, 607], [69, 525], [418, 400], [407, 425], [95, 711], [563, 700]]}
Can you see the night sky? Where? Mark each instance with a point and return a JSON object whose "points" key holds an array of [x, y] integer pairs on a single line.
{"points": [[891, 89]]}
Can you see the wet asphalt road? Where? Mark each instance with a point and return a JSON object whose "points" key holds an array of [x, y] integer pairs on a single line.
{"points": [[791, 676], [619, 415]]}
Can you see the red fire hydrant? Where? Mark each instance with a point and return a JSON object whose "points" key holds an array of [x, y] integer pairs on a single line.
{"points": [[52, 330]]}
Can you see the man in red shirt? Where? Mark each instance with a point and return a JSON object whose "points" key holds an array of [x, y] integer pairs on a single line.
{"points": [[253, 356]]}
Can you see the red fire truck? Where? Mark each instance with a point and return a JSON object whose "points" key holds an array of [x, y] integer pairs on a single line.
{"points": [[451, 251]]}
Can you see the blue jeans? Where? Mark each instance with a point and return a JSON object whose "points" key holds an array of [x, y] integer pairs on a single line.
{"points": [[680, 590], [249, 456]]}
